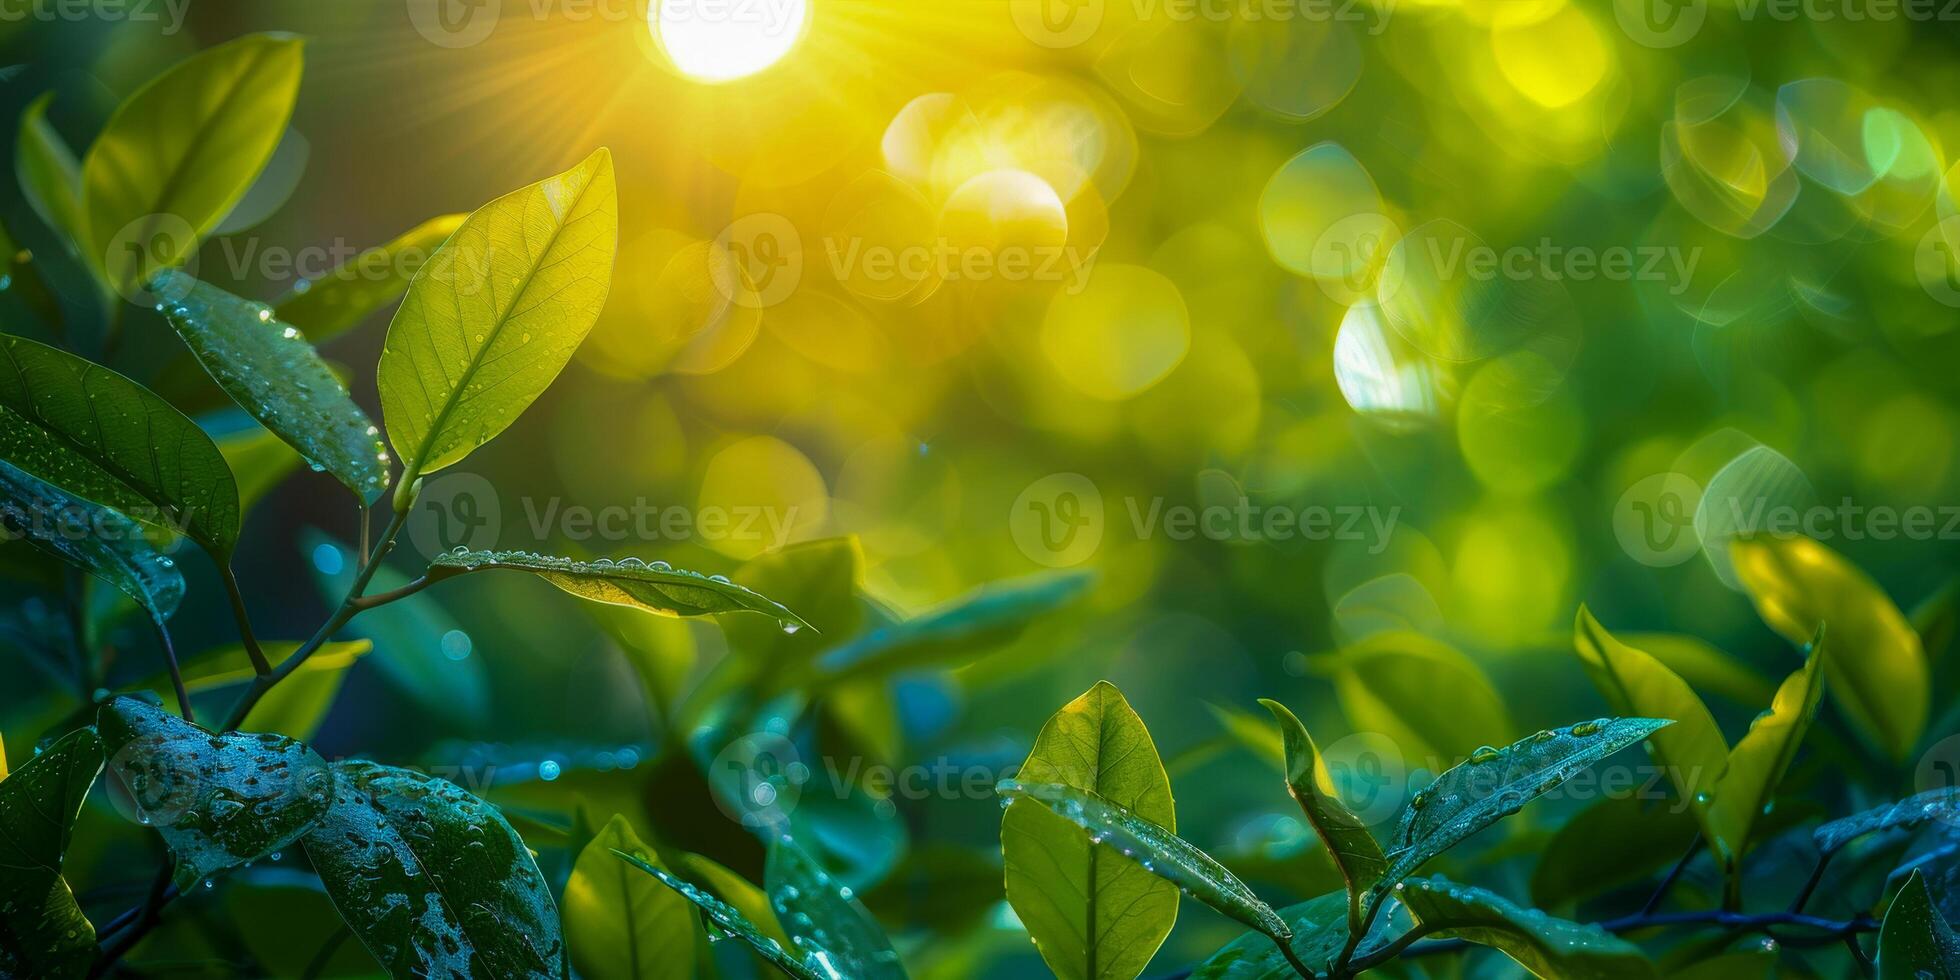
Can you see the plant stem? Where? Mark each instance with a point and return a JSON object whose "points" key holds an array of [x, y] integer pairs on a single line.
{"points": [[251, 640], [1816, 876], [1827, 931], [176, 675], [1667, 883], [383, 598], [145, 917]]}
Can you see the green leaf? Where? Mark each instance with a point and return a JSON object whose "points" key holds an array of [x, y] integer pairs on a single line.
{"points": [[329, 306], [1915, 942], [296, 707], [990, 616], [656, 587], [50, 176], [1879, 675], [1156, 850], [1705, 667], [105, 438], [259, 461], [820, 580], [494, 316], [731, 922], [218, 801], [43, 933], [179, 154], [409, 640], [1355, 851], [620, 923], [740, 893], [1391, 683], [1548, 947], [1941, 804], [273, 373], [1093, 915], [1692, 750], [1320, 932], [94, 539], [1760, 758], [1495, 783], [432, 880], [823, 919], [1577, 863]]}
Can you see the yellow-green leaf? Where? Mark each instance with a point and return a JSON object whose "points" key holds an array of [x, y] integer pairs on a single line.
{"points": [[179, 154], [1760, 758], [740, 893], [491, 319], [1093, 916], [50, 177], [1692, 750], [1354, 850], [331, 305], [733, 923], [1705, 667], [621, 924], [651, 587], [1876, 667], [1392, 682]]}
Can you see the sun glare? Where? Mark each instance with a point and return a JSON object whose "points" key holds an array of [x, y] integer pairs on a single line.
{"points": [[723, 40]]}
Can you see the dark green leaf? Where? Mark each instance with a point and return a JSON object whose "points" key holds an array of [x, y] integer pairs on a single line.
{"points": [[825, 922], [1092, 914], [1319, 933], [43, 933], [1547, 946], [273, 373], [1916, 943], [1938, 804], [1155, 849], [1354, 850], [491, 319], [105, 438], [620, 924], [731, 922], [219, 801], [433, 880], [94, 539], [992, 615], [179, 154], [331, 305], [655, 588], [1495, 783]]}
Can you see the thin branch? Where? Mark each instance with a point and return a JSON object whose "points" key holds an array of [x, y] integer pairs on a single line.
{"points": [[383, 598], [1667, 883], [366, 521], [176, 674], [1827, 931], [140, 923], [1816, 876], [251, 640]]}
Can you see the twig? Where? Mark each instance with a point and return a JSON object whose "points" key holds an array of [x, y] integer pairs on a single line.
{"points": [[383, 598], [1816, 876], [145, 918], [251, 640], [176, 674], [1827, 931], [1667, 883]]}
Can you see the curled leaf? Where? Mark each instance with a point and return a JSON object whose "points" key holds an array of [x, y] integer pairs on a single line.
{"points": [[1355, 852]]}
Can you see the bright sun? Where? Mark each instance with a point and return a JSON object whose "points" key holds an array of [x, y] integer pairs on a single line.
{"points": [[722, 40]]}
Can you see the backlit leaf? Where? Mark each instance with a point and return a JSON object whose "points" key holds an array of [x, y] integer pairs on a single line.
{"points": [[181, 151], [654, 587], [1092, 914], [1705, 668], [732, 923], [43, 933], [107, 439], [989, 616], [218, 801], [1915, 942], [94, 539], [273, 373], [1877, 669], [1760, 758], [331, 305], [1354, 850], [1391, 683], [1692, 750], [1548, 947], [492, 318], [1156, 850], [431, 879], [296, 707], [50, 176], [621, 924], [825, 922], [1495, 783]]}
